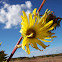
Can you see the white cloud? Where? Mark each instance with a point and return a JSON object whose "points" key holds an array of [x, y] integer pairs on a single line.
{"points": [[28, 4], [10, 14]]}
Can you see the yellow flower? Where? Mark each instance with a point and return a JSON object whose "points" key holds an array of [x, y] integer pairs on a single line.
{"points": [[35, 30]]}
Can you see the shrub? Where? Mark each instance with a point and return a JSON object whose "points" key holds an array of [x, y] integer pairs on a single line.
{"points": [[3, 56]]}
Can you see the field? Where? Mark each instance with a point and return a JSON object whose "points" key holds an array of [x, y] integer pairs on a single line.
{"points": [[40, 59]]}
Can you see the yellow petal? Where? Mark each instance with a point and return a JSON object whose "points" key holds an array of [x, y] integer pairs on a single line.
{"points": [[26, 24], [23, 31], [46, 11], [36, 23], [34, 11], [43, 34], [41, 43], [30, 19], [25, 16], [52, 27], [49, 37], [24, 42], [45, 40], [40, 36], [27, 48], [22, 23], [50, 34], [34, 45], [25, 19], [33, 21], [47, 25]]}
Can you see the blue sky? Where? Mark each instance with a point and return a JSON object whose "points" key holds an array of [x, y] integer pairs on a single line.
{"points": [[10, 11]]}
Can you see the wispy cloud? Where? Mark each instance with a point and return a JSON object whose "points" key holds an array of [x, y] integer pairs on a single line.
{"points": [[3, 1], [55, 50], [10, 14]]}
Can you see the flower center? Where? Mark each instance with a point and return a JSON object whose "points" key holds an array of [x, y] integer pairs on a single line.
{"points": [[31, 33]]}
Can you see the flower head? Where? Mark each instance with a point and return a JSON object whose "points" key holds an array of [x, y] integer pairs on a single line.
{"points": [[35, 29]]}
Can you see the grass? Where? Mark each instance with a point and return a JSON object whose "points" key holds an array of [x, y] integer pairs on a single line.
{"points": [[45, 58]]}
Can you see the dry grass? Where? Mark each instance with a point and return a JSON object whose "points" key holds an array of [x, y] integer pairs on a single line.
{"points": [[39, 59]]}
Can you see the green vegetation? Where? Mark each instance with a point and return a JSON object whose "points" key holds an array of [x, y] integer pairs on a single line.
{"points": [[3, 56]]}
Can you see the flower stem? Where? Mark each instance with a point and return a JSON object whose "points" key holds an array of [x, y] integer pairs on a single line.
{"points": [[59, 18], [15, 48], [41, 5]]}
